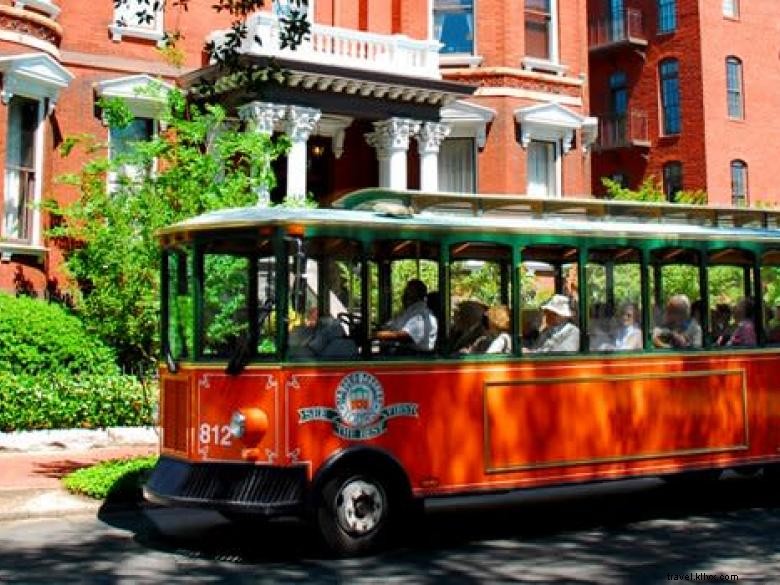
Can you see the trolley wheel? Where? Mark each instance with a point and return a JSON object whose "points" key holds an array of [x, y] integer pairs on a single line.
{"points": [[357, 512]]}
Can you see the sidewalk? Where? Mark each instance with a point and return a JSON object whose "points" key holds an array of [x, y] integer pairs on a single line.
{"points": [[30, 480]]}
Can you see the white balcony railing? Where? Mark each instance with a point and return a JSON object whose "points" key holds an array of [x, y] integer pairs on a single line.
{"points": [[343, 47]]}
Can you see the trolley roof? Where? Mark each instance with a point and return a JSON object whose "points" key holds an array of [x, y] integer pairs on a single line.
{"points": [[384, 209]]}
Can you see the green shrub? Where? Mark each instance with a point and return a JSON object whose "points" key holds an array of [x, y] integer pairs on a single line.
{"points": [[118, 479], [43, 338], [66, 401]]}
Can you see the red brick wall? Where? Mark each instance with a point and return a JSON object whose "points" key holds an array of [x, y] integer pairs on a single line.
{"points": [[641, 66], [754, 39]]}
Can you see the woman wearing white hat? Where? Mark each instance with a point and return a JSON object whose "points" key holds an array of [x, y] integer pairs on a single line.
{"points": [[559, 333]]}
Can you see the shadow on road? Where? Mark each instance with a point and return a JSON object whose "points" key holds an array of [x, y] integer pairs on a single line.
{"points": [[637, 535], [669, 527]]}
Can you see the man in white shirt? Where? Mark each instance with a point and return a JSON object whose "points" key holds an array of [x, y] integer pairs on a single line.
{"points": [[416, 327]]}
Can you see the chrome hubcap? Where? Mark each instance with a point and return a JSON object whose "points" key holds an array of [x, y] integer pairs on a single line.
{"points": [[360, 506]]}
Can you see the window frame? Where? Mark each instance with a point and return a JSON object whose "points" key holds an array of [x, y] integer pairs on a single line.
{"points": [[735, 88], [455, 56], [32, 214], [731, 9], [670, 97], [739, 166], [668, 166], [154, 31], [667, 16]]}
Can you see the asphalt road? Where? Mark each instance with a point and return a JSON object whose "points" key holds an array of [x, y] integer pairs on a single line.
{"points": [[641, 532]]}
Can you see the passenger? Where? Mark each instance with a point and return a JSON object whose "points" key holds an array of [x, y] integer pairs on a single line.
{"points": [[497, 339], [745, 333], [600, 327], [416, 328], [321, 337], [559, 333], [773, 334], [467, 326], [679, 330], [721, 324], [628, 336]]}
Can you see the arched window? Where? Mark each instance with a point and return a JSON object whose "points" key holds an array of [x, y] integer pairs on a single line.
{"points": [[667, 16], [739, 183], [669, 70], [673, 179], [734, 95]]}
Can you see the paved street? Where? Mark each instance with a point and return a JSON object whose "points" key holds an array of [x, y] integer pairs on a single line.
{"points": [[637, 533]]}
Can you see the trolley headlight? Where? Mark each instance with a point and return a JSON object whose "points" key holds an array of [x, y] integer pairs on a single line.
{"points": [[249, 424], [238, 424]]}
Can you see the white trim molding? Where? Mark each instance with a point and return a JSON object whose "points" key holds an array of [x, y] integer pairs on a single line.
{"points": [[554, 123], [33, 75], [468, 120], [143, 94], [334, 127], [46, 7]]}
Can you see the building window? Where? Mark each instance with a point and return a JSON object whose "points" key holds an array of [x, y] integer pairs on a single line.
{"points": [[122, 141], [453, 25], [739, 183], [618, 93], [736, 101], [731, 8], [457, 165], [670, 96], [667, 16], [673, 180], [542, 172], [540, 23], [21, 168], [138, 18]]}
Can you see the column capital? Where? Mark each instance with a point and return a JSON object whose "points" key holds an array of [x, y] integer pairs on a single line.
{"points": [[392, 135], [431, 135], [262, 116], [301, 122]]}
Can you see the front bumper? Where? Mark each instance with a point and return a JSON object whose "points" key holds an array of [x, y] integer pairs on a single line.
{"points": [[237, 487]]}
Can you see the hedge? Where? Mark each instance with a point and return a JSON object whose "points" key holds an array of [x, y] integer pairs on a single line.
{"points": [[37, 337], [117, 479], [68, 401]]}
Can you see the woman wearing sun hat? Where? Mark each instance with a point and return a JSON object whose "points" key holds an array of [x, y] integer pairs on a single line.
{"points": [[559, 333]]}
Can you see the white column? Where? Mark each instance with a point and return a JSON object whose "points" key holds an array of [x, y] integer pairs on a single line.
{"points": [[391, 141], [262, 117], [298, 125], [429, 140]]}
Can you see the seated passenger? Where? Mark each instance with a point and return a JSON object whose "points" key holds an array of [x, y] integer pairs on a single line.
{"points": [[679, 330], [497, 338], [745, 333], [600, 328], [321, 337], [628, 336], [559, 333], [415, 329], [467, 326], [721, 324], [773, 334]]}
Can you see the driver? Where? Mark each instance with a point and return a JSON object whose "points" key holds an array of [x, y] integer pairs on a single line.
{"points": [[415, 328]]}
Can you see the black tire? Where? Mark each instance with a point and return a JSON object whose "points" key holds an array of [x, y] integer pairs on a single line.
{"points": [[693, 477], [357, 512], [772, 472]]}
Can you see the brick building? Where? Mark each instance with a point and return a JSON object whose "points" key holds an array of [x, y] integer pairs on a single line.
{"points": [[460, 95], [682, 91]]}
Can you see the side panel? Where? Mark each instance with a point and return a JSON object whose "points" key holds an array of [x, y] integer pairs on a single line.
{"points": [[555, 422]]}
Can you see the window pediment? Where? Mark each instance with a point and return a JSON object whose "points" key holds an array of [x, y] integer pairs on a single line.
{"points": [[33, 75], [468, 120], [138, 92], [553, 122]]}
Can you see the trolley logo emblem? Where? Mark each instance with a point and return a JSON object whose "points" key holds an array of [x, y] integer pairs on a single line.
{"points": [[360, 412]]}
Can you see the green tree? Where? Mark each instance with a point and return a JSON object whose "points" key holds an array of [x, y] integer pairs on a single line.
{"points": [[198, 163], [651, 190]]}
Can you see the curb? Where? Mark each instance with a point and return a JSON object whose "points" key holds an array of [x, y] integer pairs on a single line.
{"points": [[44, 503], [77, 439]]}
